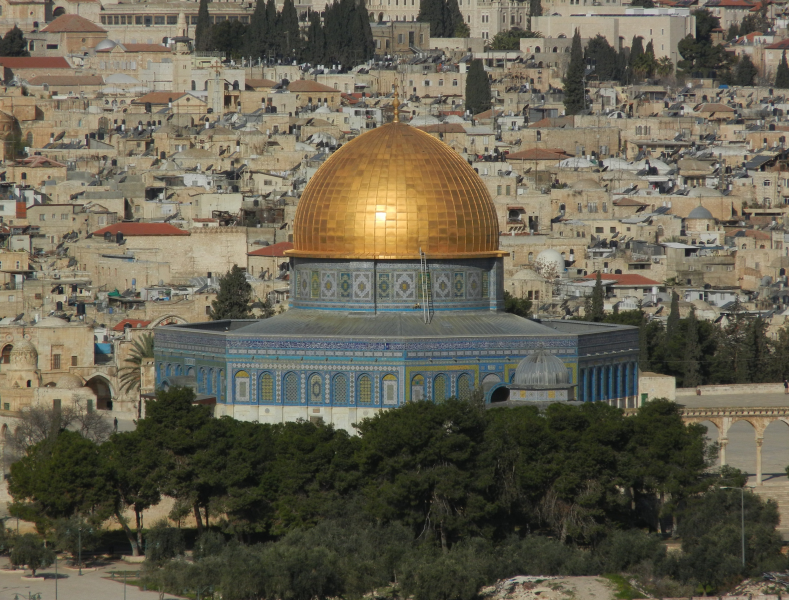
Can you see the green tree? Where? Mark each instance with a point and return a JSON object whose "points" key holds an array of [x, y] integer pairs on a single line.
{"points": [[782, 73], [163, 543], [745, 72], [477, 88], [733, 32], [29, 550], [257, 32], [574, 92], [315, 50], [455, 25], [535, 8], [203, 28], [234, 299], [58, 478], [672, 322], [517, 306], [635, 60], [432, 11], [664, 67], [228, 37], [756, 21], [75, 535], [288, 30], [135, 467], [510, 39], [603, 56], [597, 302], [130, 375], [692, 372], [643, 3], [14, 43], [698, 53]]}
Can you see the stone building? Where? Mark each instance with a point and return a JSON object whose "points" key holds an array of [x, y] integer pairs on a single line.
{"points": [[397, 285]]}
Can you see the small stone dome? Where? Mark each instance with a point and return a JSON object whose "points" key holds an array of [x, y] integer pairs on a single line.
{"points": [[51, 322], [547, 259], [586, 184], [107, 44], [69, 381], [24, 355], [541, 368], [700, 213]]}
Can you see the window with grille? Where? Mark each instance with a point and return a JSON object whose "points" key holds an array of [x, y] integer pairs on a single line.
{"points": [[464, 387], [56, 361], [440, 388], [390, 389], [266, 388], [316, 389], [73, 361], [365, 390], [291, 389], [242, 386], [340, 388]]}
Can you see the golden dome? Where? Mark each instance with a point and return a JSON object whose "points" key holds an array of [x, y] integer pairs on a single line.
{"points": [[391, 192]]}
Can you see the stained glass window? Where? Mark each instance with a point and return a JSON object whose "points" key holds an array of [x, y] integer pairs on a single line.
{"points": [[291, 389], [464, 387], [365, 390], [440, 388], [266, 388], [340, 389]]}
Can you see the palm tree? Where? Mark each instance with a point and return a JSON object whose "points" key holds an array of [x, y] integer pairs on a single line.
{"points": [[130, 376], [664, 66]]}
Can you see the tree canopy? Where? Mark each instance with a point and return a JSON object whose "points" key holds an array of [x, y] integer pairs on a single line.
{"points": [[234, 300], [14, 43], [477, 88], [574, 92]]}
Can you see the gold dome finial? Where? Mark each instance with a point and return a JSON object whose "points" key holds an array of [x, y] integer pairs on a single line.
{"points": [[396, 104]]}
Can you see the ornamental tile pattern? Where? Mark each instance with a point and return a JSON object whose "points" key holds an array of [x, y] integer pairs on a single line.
{"points": [[405, 286], [328, 285], [442, 288], [345, 286], [362, 286]]}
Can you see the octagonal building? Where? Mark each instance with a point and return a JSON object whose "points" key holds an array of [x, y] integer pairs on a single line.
{"points": [[396, 296]]}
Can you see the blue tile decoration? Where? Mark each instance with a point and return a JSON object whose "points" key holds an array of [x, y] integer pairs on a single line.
{"points": [[362, 286], [328, 285], [485, 284], [459, 285], [405, 286], [315, 284], [384, 287], [345, 285], [442, 287], [473, 286]]}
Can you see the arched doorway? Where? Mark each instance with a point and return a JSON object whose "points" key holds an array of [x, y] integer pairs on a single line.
{"points": [[5, 355], [101, 388]]}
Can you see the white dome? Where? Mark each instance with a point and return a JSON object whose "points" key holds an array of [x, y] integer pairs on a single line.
{"points": [[323, 110], [107, 44], [51, 322], [548, 260], [698, 192], [541, 368]]}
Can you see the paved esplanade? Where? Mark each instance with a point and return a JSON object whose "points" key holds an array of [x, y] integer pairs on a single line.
{"points": [[90, 586], [748, 430]]}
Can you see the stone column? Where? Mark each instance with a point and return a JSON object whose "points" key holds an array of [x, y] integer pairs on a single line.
{"points": [[635, 383], [593, 385], [759, 442], [723, 443], [619, 388]]}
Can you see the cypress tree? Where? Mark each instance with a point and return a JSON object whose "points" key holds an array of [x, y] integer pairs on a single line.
{"points": [[634, 61], [256, 31], [14, 43], [432, 11], [234, 299], [672, 323], [746, 71], [271, 25], [733, 33], [574, 93], [289, 34], [203, 27], [598, 300], [535, 8], [477, 88], [315, 51], [691, 373], [455, 24], [782, 74], [366, 33], [333, 29]]}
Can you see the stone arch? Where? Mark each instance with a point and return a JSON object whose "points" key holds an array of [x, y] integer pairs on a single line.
{"points": [[102, 388], [774, 447], [5, 354], [168, 320]]}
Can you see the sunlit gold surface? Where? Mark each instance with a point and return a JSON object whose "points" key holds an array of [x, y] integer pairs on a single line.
{"points": [[389, 193]]}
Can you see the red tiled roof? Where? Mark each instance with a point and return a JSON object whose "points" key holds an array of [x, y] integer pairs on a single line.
{"points": [[751, 233], [539, 154], [72, 23], [624, 279], [277, 249], [34, 62], [305, 85], [38, 161], [135, 229], [442, 128], [159, 97], [782, 45], [133, 323]]}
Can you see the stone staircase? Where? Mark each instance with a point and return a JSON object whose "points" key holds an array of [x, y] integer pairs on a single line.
{"points": [[778, 491]]}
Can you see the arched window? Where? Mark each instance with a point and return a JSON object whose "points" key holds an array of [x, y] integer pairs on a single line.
{"points": [[242, 386], [220, 385], [464, 387], [291, 389], [200, 379], [439, 388], [365, 387], [5, 356], [389, 389], [417, 388], [315, 389], [177, 370], [209, 381], [340, 389], [168, 371], [161, 369], [194, 85], [266, 388]]}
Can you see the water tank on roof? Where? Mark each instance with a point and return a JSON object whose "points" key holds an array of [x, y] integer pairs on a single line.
{"points": [[119, 238]]}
